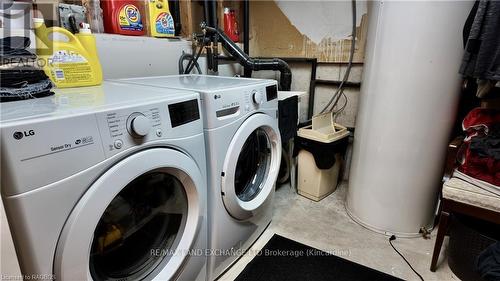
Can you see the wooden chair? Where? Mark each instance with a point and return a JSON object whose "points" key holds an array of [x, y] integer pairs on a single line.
{"points": [[460, 196]]}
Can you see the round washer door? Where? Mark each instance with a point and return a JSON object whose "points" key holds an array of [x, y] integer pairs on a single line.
{"points": [[137, 221], [251, 166]]}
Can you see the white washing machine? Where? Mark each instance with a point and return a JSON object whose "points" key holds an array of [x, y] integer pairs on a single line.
{"points": [[243, 158], [106, 183]]}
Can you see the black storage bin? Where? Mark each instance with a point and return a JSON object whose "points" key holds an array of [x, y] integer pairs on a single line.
{"points": [[469, 237]]}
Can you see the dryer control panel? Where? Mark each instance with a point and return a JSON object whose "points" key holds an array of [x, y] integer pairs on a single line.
{"points": [[129, 127], [58, 146]]}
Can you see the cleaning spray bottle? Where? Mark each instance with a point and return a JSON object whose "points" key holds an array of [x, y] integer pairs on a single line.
{"points": [[161, 22], [71, 63]]}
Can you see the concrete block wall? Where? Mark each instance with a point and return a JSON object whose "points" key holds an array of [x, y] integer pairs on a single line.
{"points": [[137, 56], [301, 74]]}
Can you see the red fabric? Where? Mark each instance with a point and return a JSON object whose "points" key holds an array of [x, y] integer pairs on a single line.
{"points": [[481, 168], [477, 123], [479, 120]]}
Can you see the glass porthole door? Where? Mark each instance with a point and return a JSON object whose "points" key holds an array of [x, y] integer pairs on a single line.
{"points": [[251, 166], [138, 221], [140, 226]]}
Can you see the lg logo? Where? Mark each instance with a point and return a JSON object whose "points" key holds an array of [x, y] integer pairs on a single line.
{"points": [[20, 135]]}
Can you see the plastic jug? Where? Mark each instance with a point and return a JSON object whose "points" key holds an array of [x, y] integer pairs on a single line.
{"points": [[123, 17], [72, 63], [161, 22]]}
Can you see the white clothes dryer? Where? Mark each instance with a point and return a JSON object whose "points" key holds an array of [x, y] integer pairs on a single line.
{"points": [[106, 183]]}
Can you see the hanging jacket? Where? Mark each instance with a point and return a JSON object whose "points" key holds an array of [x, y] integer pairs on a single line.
{"points": [[482, 52]]}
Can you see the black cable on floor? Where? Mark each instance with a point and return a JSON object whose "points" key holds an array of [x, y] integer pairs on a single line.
{"points": [[393, 237]]}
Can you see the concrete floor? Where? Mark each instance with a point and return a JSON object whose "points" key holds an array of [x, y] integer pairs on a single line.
{"points": [[326, 226]]}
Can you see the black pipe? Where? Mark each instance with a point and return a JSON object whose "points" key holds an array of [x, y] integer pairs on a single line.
{"points": [[254, 64], [339, 63], [312, 82], [206, 11], [229, 59], [246, 26], [175, 11], [246, 34], [210, 9], [312, 88], [337, 83]]}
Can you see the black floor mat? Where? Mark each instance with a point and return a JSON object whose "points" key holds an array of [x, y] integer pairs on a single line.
{"points": [[283, 259]]}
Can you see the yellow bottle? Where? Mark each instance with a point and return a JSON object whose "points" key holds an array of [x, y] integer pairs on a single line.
{"points": [[72, 63], [161, 23]]}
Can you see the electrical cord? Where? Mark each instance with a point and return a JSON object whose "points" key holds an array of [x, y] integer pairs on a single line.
{"points": [[393, 237], [341, 109], [340, 90]]}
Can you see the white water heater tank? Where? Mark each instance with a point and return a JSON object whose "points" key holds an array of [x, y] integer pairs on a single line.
{"points": [[409, 96]]}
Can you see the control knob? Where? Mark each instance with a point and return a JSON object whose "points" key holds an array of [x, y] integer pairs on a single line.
{"points": [[139, 125], [257, 97]]}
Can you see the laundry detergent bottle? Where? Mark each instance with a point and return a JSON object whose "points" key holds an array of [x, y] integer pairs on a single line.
{"points": [[161, 22], [124, 17], [69, 60]]}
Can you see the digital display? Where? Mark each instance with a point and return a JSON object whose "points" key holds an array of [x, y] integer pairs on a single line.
{"points": [[183, 112], [227, 111], [271, 92]]}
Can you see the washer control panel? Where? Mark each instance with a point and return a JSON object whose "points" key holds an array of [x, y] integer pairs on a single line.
{"points": [[223, 106], [228, 104]]}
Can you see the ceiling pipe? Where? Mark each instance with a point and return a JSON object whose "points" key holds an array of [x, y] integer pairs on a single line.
{"points": [[253, 64], [210, 9], [210, 28], [246, 33]]}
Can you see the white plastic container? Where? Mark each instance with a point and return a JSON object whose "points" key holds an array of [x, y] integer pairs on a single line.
{"points": [[315, 183]]}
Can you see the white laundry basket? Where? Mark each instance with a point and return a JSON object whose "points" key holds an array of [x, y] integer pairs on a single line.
{"points": [[315, 183]]}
